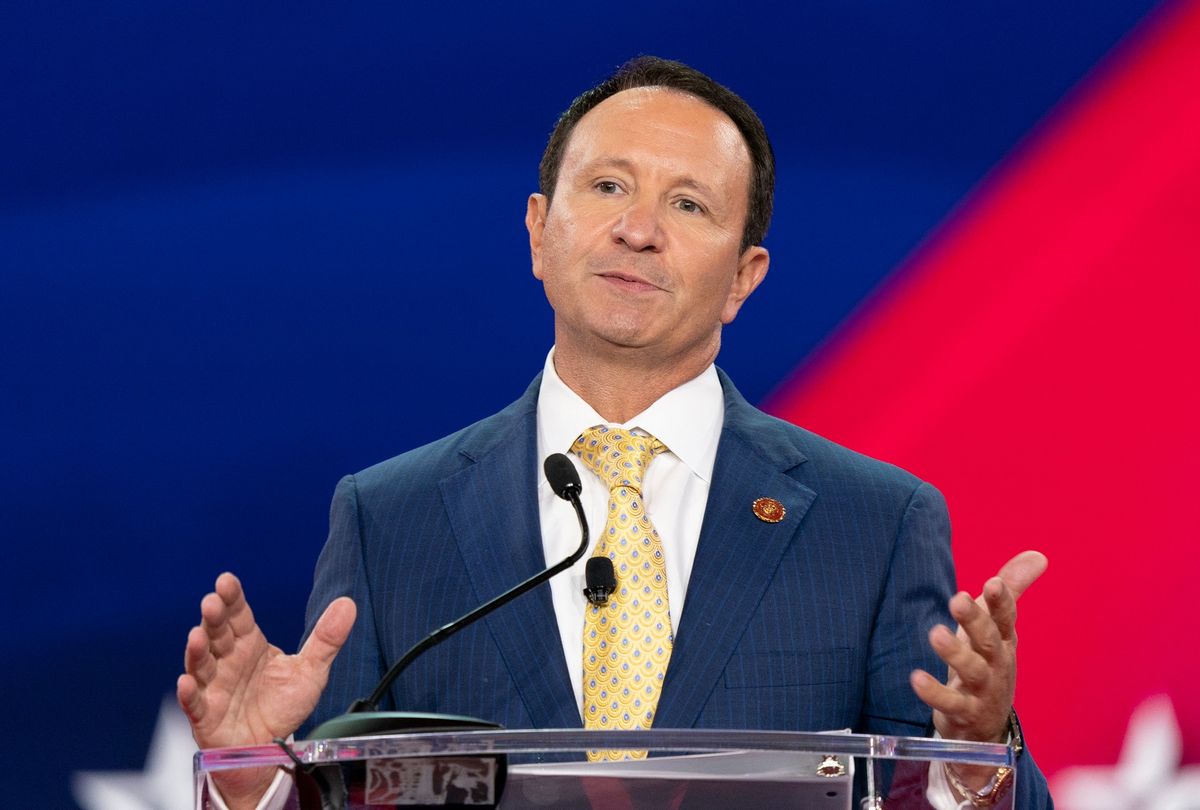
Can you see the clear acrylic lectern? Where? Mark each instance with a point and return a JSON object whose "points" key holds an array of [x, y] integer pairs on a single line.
{"points": [[687, 768]]}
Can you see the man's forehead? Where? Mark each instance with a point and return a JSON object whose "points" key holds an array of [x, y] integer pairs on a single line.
{"points": [[638, 100], [663, 108]]}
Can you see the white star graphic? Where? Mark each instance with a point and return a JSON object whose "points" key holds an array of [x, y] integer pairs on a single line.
{"points": [[1147, 775], [164, 784]]}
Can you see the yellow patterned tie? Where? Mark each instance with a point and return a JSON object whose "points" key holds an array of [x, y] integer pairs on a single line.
{"points": [[626, 643]]}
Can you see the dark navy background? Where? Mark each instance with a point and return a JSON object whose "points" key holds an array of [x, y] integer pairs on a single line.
{"points": [[248, 248]]}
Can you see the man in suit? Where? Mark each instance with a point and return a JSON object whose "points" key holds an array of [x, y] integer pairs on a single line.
{"points": [[808, 613]]}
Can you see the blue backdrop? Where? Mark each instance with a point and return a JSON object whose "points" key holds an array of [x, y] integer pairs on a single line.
{"points": [[248, 248]]}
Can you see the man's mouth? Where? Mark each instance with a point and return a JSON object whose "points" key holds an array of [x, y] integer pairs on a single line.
{"points": [[628, 281]]}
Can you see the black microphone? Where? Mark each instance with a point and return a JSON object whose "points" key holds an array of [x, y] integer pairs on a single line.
{"points": [[600, 577], [363, 717], [601, 580], [562, 476]]}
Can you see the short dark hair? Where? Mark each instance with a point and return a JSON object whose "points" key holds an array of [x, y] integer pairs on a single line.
{"points": [[651, 71]]}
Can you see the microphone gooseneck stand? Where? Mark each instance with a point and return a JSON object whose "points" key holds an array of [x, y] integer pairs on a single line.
{"points": [[363, 717], [326, 787]]}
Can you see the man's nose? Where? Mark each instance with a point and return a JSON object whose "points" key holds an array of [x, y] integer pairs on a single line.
{"points": [[639, 227]]}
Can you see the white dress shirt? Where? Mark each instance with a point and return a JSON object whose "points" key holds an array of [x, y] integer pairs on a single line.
{"points": [[688, 421]]}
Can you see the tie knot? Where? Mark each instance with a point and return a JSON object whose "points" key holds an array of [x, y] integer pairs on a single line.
{"points": [[620, 457]]}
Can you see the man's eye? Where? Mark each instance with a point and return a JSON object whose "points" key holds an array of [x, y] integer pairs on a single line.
{"points": [[689, 206], [607, 187]]}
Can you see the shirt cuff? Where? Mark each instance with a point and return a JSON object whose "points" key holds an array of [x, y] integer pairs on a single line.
{"points": [[274, 799]]}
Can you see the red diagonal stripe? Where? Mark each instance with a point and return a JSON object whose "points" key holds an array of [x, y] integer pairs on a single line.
{"points": [[1038, 361]]}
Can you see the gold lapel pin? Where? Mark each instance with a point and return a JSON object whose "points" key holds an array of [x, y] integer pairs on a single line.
{"points": [[768, 510]]}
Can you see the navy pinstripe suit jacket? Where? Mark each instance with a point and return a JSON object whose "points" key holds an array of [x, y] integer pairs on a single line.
{"points": [[811, 623]]}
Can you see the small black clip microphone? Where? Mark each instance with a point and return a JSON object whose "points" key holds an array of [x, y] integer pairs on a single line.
{"points": [[601, 580]]}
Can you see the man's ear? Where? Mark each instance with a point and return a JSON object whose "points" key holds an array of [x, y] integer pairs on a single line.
{"points": [[752, 269], [535, 223]]}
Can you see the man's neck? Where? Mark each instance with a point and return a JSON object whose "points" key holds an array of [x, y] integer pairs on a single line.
{"points": [[604, 381]]}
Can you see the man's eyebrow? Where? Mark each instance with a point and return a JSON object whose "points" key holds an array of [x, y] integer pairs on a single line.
{"points": [[696, 185], [613, 162], [608, 162]]}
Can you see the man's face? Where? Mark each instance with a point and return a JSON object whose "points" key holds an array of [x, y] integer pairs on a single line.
{"points": [[641, 247]]}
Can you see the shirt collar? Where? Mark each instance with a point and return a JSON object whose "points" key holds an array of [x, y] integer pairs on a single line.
{"points": [[687, 419]]}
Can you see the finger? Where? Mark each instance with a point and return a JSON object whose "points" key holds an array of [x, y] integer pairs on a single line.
{"points": [[228, 586], [197, 658], [1023, 570], [330, 632], [241, 617], [937, 695], [187, 692], [967, 665], [214, 615], [978, 626], [1002, 607]]}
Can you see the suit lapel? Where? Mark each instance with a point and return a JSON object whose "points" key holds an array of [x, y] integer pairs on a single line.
{"points": [[736, 557], [493, 509]]}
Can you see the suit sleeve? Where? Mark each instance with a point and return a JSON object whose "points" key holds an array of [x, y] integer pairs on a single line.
{"points": [[341, 571], [1032, 791], [919, 584]]}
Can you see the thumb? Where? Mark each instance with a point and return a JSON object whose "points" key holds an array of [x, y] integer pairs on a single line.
{"points": [[330, 632], [1023, 570]]}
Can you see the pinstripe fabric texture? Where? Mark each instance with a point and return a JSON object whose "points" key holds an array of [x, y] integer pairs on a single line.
{"points": [[811, 623]]}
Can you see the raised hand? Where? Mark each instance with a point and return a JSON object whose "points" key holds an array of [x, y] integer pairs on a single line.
{"points": [[238, 689], [974, 702]]}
